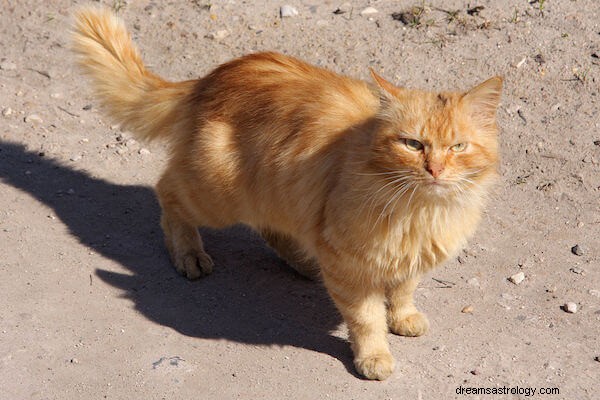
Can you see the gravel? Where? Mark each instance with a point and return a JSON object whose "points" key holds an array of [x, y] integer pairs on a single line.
{"points": [[288, 11], [570, 307], [517, 278], [577, 250]]}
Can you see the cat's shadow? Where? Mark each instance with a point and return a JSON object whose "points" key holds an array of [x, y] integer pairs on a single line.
{"points": [[252, 297]]}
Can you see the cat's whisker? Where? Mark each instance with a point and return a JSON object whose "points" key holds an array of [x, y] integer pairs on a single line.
{"points": [[399, 192], [382, 213], [400, 187], [395, 172], [411, 196], [373, 197]]}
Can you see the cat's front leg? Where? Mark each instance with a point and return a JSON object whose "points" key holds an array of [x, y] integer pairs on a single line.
{"points": [[403, 317], [363, 309]]}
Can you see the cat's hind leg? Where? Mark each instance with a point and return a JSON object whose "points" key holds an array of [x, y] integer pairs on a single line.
{"points": [[181, 233], [288, 249], [403, 317]]}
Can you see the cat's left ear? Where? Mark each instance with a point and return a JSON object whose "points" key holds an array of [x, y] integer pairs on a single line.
{"points": [[483, 99]]}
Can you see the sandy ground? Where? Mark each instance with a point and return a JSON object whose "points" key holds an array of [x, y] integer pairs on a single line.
{"points": [[92, 309]]}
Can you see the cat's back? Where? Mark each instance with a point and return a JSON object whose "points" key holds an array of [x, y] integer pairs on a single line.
{"points": [[270, 87]]}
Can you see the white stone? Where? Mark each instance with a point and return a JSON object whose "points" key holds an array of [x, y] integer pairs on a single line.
{"points": [[7, 111], [218, 35], [345, 8], [143, 151], [287, 11], [33, 118], [570, 307], [517, 278], [369, 11], [473, 282]]}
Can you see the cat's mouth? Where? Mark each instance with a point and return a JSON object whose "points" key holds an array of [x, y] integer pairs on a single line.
{"points": [[438, 186]]}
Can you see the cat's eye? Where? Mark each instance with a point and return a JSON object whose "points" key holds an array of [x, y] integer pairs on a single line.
{"points": [[413, 144], [457, 148]]}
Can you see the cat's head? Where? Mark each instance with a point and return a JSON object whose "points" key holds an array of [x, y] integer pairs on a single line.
{"points": [[436, 145]]}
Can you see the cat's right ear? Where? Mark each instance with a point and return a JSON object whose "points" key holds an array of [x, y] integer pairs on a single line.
{"points": [[387, 91], [384, 84]]}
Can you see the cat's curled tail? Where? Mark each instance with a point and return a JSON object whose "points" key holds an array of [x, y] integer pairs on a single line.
{"points": [[139, 100]]}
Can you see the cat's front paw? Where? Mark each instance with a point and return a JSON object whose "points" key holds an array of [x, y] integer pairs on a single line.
{"points": [[193, 265], [377, 366], [415, 324]]}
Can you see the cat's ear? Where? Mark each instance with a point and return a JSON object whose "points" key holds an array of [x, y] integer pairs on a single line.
{"points": [[483, 99], [384, 84]]}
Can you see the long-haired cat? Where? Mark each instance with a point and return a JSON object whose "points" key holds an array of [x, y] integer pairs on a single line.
{"points": [[368, 186]]}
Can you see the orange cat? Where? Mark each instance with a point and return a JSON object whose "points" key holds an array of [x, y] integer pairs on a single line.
{"points": [[368, 186]]}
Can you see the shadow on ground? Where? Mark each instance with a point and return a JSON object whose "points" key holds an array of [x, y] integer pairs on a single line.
{"points": [[252, 297]]}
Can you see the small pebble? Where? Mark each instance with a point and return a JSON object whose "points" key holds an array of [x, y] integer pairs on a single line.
{"points": [[288, 11], [218, 35], [87, 107], [467, 309], [344, 8], [143, 151], [570, 307], [475, 372], [594, 292], [75, 158], [74, 361], [33, 118], [7, 111], [473, 282], [539, 58], [597, 358], [577, 250], [517, 278], [369, 11], [577, 270], [56, 95]]}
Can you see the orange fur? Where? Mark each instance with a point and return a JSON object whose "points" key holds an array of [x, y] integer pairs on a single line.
{"points": [[368, 185]]}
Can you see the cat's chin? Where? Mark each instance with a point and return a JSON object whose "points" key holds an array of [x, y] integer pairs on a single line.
{"points": [[438, 188]]}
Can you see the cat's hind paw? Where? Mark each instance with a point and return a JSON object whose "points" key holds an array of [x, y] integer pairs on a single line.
{"points": [[193, 265], [415, 324], [377, 366]]}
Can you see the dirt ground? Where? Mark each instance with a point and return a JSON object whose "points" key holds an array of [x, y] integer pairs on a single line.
{"points": [[91, 307]]}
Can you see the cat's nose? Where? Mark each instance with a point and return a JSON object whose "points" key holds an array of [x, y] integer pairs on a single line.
{"points": [[435, 169]]}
